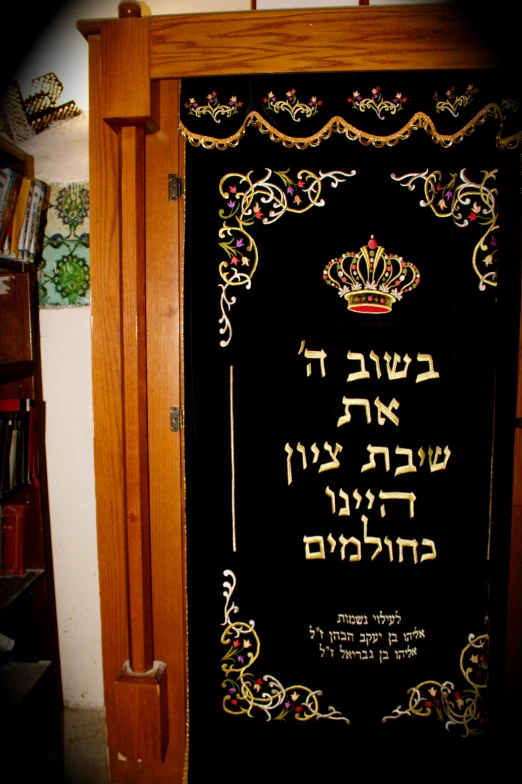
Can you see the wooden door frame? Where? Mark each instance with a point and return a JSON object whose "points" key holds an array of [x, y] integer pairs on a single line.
{"points": [[135, 65]]}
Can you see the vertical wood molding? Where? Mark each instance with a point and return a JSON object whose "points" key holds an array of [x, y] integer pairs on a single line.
{"points": [[106, 375], [134, 389], [164, 226]]}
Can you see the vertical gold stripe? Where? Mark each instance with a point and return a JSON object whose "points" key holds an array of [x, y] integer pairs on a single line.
{"points": [[232, 459]]}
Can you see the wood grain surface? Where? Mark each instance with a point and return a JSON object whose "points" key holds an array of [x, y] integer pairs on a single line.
{"points": [[342, 39], [106, 373]]}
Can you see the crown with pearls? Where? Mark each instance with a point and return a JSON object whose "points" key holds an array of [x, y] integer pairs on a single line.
{"points": [[371, 281]]}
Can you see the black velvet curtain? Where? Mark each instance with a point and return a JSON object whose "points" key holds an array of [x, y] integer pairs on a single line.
{"points": [[351, 320]]}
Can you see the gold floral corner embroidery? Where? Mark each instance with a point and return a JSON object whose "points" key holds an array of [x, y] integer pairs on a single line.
{"points": [[455, 708], [453, 199], [248, 694], [263, 200]]}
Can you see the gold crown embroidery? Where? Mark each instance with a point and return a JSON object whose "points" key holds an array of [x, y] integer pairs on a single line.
{"points": [[371, 280]]}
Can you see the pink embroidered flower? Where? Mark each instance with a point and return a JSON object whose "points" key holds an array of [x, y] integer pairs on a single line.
{"points": [[235, 260], [236, 643], [232, 188]]}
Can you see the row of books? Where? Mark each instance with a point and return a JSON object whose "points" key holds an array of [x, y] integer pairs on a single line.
{"points": [[22, 202], [18, 445], [12, 538]]}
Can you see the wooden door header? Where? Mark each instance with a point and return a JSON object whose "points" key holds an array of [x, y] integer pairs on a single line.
{"points": [[362, 38]]}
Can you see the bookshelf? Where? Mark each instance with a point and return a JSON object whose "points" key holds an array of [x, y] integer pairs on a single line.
{"points": [[30, 681]]}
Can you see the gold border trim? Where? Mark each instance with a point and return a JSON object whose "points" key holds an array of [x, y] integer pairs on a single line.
{"points": [[340, 125]]}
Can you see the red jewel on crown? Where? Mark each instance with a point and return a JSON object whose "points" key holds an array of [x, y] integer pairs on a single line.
{"points": [[371, 281]]}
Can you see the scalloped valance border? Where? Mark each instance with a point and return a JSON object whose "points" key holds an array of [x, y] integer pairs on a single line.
{"points": [[339, 125]]}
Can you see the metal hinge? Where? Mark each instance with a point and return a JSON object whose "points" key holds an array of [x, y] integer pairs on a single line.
{"points": [[176, 187], [176, 419]]}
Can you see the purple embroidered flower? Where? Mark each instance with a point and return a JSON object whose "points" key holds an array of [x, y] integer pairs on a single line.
{"points": [[288, 704], [290, 190], [231, 204], [448, 195], [394, 100], [232, 690], [240, 242], [493, 241], [241, 659]]}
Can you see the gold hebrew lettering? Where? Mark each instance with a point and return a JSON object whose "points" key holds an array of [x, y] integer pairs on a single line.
{"points": [[377, 450], [434, 465], [289, 451], [400, 497], [309, 540], [393, 373], [409, 467], [360, 374], [352, 540], [300, 448], [375, 358], [429, 556], [344, 511], [413, 543], [384, 412], [371, 539], [331, 496], [334, 463], [354, 401], [331, 541], [431, 373]]}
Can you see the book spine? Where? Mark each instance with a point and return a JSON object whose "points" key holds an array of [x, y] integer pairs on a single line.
{"points": [[8, 187], [41, 189], [8, 215], [6, 434], [13, 534], [4, 186], [23, 233]]}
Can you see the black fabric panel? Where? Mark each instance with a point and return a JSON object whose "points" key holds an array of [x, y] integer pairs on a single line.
{"points": [[472, 337]]}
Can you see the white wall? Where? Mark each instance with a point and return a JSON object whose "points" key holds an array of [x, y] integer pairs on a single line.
{"points": [[61, 155]]}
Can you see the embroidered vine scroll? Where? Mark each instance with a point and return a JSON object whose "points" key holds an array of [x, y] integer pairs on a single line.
{"points": [[351, 318]]}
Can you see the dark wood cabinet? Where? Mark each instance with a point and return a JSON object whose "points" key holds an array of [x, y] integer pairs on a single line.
{"points": [[30, 681]]}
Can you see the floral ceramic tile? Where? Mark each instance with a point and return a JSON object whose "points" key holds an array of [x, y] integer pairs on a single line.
{"points": [[64, 280]]}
